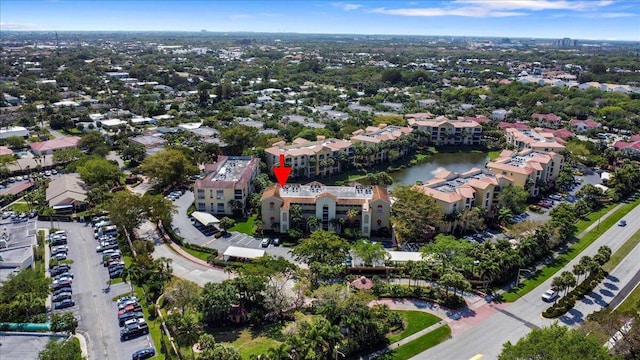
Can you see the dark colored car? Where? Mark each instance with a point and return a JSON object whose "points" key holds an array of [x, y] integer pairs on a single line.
{"points": [[59, 269], [63, 304], [143, 354], [128, 316], [61, 296], [62, 289], [133, 331], [115, 274]]}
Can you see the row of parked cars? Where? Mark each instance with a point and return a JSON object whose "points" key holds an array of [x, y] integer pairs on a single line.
{"points": [[106, 234], [62, 291]]}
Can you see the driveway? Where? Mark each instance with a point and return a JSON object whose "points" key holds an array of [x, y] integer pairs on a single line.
{"points": [[183, 226], [512, 321], [94, 309]]}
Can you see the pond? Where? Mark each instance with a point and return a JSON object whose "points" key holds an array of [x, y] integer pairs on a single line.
{"points": [[455, 162]]}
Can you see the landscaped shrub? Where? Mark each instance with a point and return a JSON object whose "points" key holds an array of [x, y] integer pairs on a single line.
{"points": [[566, 303], [201, 248]]}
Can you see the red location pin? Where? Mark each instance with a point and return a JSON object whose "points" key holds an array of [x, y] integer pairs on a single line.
{"points": [[282, 172]]}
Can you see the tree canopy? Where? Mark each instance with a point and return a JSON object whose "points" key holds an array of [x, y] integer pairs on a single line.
{"points": [[98, 171], [555, 342], [321, 247], [168, 167], [414, 214]]}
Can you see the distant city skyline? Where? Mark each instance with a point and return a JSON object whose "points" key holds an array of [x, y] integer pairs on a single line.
{"points": [[588, 19]]}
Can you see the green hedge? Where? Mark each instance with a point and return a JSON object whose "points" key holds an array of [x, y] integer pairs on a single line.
{"points": [[437, 296], [569, 301], [175, 237], [201, 248]]}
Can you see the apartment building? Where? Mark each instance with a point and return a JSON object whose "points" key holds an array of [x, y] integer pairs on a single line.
{"points": [[378, 136], [443, 131], [532, 139], [528, 168], [229, 180], [327, 203], [458, 191], [322, 157]]}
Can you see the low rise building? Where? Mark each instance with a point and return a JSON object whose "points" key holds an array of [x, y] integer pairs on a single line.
{"points": [[443, 131], [7, 132], [381, 135], [328, 204], [313, 158], [532, 139], [455, 192], [227, 185], [50, 146], [582, 126], [529, 169], [66, 193]]}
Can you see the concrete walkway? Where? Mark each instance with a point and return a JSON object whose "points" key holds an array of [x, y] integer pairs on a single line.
{"points": [[188, 267]]}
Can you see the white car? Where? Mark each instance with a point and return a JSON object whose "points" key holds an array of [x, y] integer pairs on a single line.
{"points": [[550, 295]]}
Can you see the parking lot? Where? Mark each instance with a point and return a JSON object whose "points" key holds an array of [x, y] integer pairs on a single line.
{"points": [[94, 308], [185, 228]]}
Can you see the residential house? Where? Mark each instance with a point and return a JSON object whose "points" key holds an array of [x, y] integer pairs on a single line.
{"points": [[582, 126], [50, 146], [532, 139], [149, 141], [529, 168], [66, 193], [629, 148], [10, 131], [443, 131], [312, 158], [547, 120], [382, 139], [455, 192], [227, 185], [328, 204]]}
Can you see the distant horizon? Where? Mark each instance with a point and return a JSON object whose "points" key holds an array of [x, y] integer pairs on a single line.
{"points": [[315, 34], [605, 20]]}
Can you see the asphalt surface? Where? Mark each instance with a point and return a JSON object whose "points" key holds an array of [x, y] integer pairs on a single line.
{"points": [[94, 308], [184, 227], [510, 322]]}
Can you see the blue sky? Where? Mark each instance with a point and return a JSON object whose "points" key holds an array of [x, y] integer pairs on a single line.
{"points": [[588, 19]]}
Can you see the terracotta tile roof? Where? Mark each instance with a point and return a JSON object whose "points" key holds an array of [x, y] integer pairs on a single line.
{"points": [[55, 144], [5, 151]]}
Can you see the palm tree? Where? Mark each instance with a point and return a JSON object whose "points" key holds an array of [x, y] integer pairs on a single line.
{"points": [[578, 269], [558, 284], [133, 273], [295, 215], [236, 206], [312, 223], [352, 215], [569, 280]]}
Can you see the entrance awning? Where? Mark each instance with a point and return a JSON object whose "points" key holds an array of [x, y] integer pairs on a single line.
{"points": [[244, 253], [204, 218]]}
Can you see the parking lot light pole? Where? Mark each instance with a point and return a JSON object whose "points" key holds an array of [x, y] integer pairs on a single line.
{"points": [[335, 348]]}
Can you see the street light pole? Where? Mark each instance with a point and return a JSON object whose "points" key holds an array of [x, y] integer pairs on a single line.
{"points": [[335, 348]]}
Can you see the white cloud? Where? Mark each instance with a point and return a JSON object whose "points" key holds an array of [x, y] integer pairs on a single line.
{"points": [[500, 8], [617, 15], [536, 5], [347, 7], [17, 26], [461, 11], [239, 16]]}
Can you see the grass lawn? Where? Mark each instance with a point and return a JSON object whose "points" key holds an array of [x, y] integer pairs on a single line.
{"points": [[574, 251], [493, 154], [244, 226], [414, 322], [20, 207], [247, 341], [419, 345], [630, 305], [199, 254], [622, 252]]}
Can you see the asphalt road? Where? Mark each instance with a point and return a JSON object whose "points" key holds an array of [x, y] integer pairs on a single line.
{"points": [[183, 226], [94, 309], [510, 322]]}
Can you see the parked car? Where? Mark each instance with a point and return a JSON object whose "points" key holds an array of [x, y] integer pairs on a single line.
{"points": [[124, 304], [550, 295], [107, 247], [59, 269], [128, 316], [59, 250], [60, 256], [67, 303], [130, 308], [126, 298], [265, 242], [276, 242], [63, 277], [143, 354], [61, 283], [62, 296], [133, 331], [115, 274], [62, 289]]}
